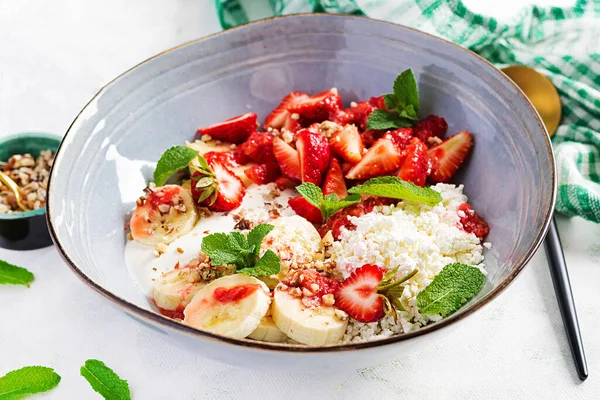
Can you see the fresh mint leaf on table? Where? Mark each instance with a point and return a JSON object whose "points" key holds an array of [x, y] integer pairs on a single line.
{"points": [[402, 105], [171, 161], [26, 381], [243, 251], [455, 285], [329, 204], [105, 381], [13, 275], [396, 188]]}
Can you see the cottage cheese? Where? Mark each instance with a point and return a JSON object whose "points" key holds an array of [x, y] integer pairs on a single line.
{"points": [[409, 236]]}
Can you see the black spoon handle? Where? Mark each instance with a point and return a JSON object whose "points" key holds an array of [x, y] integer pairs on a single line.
{"points": [[564, 296]]}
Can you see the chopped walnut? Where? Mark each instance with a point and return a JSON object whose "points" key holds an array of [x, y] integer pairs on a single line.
{"points": [[160, 249], [328, 299], [327, 239], [206, 138], [180, 250], [204, 212], [434, 140], [295, 292], [341, 314]]}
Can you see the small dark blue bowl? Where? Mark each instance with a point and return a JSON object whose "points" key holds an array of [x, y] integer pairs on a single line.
{"points": [[26, 230]]}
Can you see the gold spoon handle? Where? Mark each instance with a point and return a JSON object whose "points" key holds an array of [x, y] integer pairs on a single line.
{"points": [[12, 185]]}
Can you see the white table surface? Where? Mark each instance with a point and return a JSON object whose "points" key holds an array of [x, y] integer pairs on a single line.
{"points": [[53, 57]]}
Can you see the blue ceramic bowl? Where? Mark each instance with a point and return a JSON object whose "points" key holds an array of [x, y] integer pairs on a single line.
{"points": [[110, 150], [26, 230]]}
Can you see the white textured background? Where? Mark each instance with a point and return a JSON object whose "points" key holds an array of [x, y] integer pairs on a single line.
{"points": [[53, 57]]}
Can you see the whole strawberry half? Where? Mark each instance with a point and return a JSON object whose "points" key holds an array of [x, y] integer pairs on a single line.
{"points": [[318, 107], [263, 173], [287, 158], [215, 186], [364, 294], [314, 155], [234, 130], [259, 147], [280, 116], [447, 157], [416, 163], [303, 208]]}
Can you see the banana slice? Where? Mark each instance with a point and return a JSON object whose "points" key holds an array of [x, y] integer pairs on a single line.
{"points": [[175, 289], [231, 306], [293, 239], [166, 213], [203, 147], [315, 327], [267, 331]]}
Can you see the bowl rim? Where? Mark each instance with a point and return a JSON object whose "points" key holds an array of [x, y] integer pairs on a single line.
{"points": [[24, 135], [165, 322]]}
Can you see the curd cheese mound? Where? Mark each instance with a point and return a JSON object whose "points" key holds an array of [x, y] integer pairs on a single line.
{"points": [[408, 235]]}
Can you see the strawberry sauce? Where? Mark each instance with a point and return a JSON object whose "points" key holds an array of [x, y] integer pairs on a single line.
{"points": [[472, 222], [235, 293], [175, 314]]}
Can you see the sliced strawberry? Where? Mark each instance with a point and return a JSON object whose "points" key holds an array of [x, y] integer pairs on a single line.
{"points": [[314, 154], [317, 108], [259, 147], [287, 158], [263, 173], [360, 114], [378, 102], [472, 222], [239, 156], [234, 130], [416, 163], [381, 159], [369, 137], [347, 144], [346, 167], [283, 182], [280, 115], [429, 127], [217, 187], [334, 181], [291, 124], [357, 295], [448, 156], [400, 137], [341, 117], [306, 210]]}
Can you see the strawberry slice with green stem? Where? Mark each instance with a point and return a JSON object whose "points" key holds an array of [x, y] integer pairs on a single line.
{"points": [[215, 186], [363, 295], [447, 157], [234, 130]]}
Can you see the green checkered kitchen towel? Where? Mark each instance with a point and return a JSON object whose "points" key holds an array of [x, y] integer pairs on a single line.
{"points": [[563, 43]]}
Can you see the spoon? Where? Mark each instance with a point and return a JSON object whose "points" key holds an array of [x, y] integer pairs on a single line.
{"points": [[12, 185], [544, 97]]}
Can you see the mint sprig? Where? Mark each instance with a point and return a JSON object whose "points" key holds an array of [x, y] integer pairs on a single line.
{"points": [[171, 161], [455, 285], [242, 251], [14, 275], [105, 381], [329, 204], [396, 188], [402, 105], [26, 381]]}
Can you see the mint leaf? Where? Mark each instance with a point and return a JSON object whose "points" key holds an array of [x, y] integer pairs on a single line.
{"points": [[27, 380], [269, 264], [396, 188], [104, 381], [312, 193], [171, 161], [455, 285], [406, 91], [237, 241], [331, 204], [256, 236], [409, 113], [13, 275], [217, 247], [384, 120]]}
